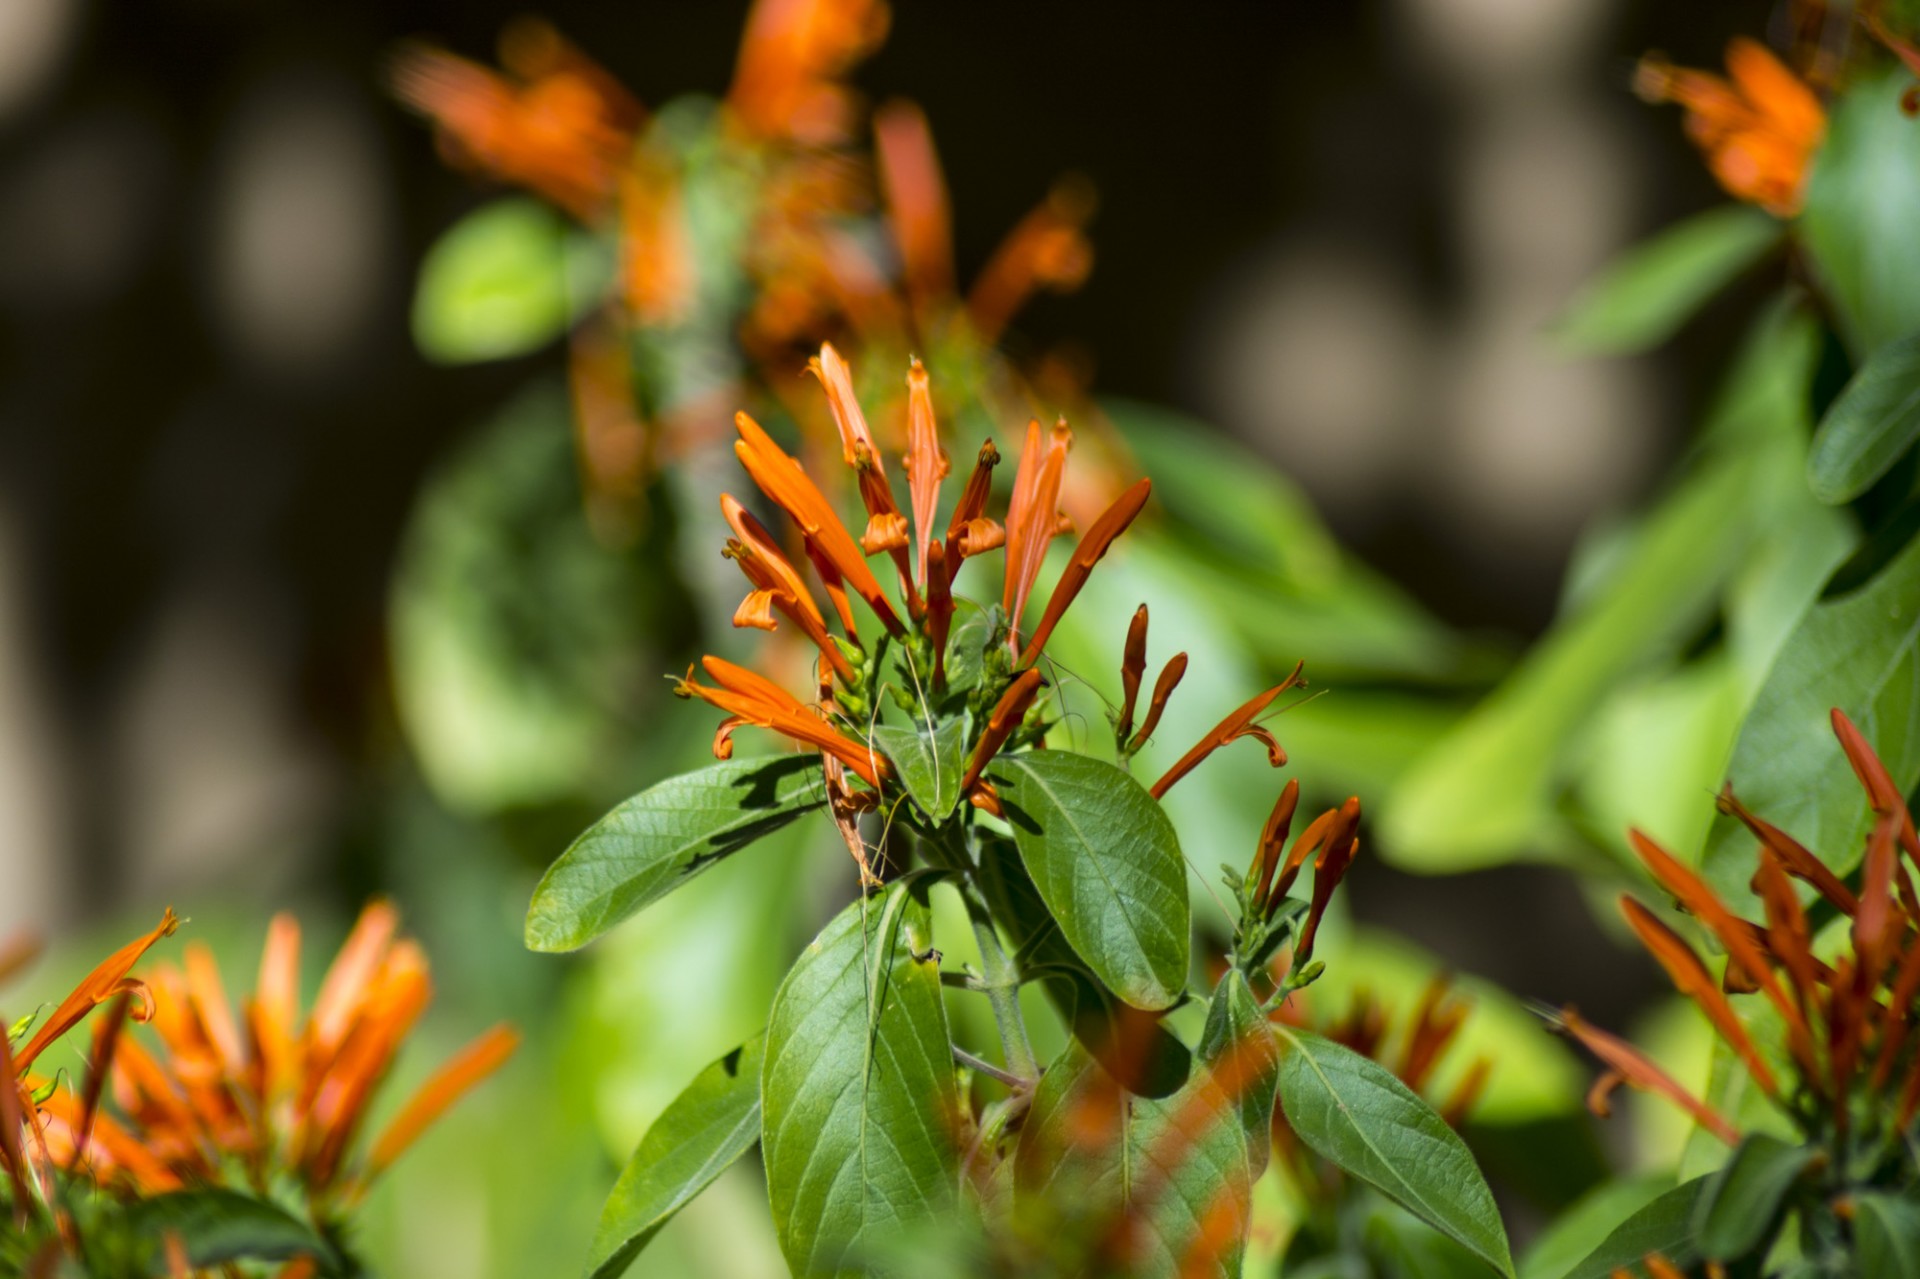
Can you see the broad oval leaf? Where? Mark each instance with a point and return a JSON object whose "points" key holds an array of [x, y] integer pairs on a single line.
{"points": [[218, 1226], [1871, 426], [1134, 1047], [1105, 859], [1741, 1201], [1401, 1246], [1354, 1111], [661, 838], [505, 280], [1664, 1226], [1649, 291], [695, 1139], [1886, 1232], [1861, 653], [931, 765], [860, 1108]]}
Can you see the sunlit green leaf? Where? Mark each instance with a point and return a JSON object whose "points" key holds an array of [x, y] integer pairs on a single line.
{"points": [[1107, 863], [930, 765], [861, 1110], [1142, 1054], [1871, 426], [662, 837], [1741, 1202], [1355, 1112], [708, 1126], [1886, 1229], [1859, 652], [1664, 1226], [505, 280], [1649, 291], [1856, 226]]}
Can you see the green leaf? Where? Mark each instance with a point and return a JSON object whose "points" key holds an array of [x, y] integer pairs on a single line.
{"points": [[1105, 859], [708, 1126], [661, 838], [1649, 291], [1354, 1111], [218, 1226], [1664, 1226], [931, 766], [967, 645], [1886, 1233], [861, 1108], [1861, 653], [505, 280], [1738, 1207], [1871, 426], [1175, 1182], [1137, 1050], [1857, 225]]}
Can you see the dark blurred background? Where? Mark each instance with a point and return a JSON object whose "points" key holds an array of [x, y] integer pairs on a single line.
{"points": [[1337, 230]]}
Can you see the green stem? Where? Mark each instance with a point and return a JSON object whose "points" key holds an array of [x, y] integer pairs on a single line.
{"points": [[1002, 984]]}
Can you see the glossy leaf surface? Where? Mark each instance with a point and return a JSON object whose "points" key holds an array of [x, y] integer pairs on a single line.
{"points": [[661, 838], [1355, 1112], [1105, 859], [861, 1114]]}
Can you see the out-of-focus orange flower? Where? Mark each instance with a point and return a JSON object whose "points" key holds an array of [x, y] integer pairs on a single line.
{"points": [[1848, 1021], [23, 1121], [556, 123], [259, 1094], [790, 79], [1758, 126]]}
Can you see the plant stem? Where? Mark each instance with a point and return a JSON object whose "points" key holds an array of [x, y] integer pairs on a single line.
{"points": [[1002, 984], [990, 1070]]}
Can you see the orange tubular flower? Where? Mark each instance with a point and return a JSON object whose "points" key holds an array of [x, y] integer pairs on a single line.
{"points": [[916, 197], [1048, 249], [560, 126], [1237, 725], [1006, 716], [886, 526], [1759, 127], [776, 585], [1626, 1064], [926, 464], [793, 61], [1848, 1025], [105, 982], [1033, 518], [263, 1094], [829, 544], [751, 699], [1111, 524]]}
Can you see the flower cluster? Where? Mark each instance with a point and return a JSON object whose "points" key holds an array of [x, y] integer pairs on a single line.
{"points": [[257, 1100], [1845, 1075]]}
